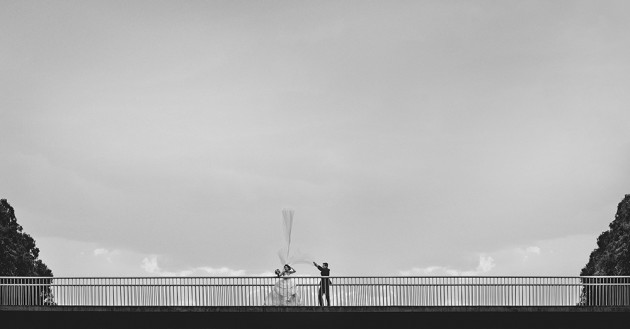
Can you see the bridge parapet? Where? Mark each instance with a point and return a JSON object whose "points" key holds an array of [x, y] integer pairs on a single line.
{"points": [[345, 291]]}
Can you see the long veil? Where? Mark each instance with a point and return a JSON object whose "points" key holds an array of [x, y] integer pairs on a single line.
{"points": [[287, 254], [285, 291]]}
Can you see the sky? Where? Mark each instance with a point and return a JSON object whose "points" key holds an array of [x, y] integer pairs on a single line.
{"points": [[151, 138]]}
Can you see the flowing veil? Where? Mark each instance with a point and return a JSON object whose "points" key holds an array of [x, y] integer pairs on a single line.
{"points": [[286, 254], [285, 291]]}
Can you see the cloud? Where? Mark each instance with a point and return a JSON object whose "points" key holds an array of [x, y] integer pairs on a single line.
{"points": [[529, 251], [223, 271], [150, 265], [533, 249], [100, 251], [555, 257], [107, 253], [486, 264]]}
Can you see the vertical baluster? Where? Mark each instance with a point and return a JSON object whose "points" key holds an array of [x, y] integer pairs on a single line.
{"points": [[442, 291], [26, 291]]}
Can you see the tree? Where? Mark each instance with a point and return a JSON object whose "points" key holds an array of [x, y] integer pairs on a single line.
{"points": [[610, 258], [20, 257]]}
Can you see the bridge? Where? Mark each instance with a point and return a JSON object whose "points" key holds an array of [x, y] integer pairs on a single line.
{"points": [[374, 302]]}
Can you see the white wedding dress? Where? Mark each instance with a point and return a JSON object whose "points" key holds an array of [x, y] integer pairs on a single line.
{"points": [[284, 292]]}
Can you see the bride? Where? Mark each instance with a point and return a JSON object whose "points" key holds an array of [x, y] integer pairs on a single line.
{"points": [[284, 292]]}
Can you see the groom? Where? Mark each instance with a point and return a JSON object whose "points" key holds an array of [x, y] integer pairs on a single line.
{"points": [[324, 285]]}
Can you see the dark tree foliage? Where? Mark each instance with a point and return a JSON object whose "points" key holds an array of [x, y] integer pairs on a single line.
{"points": [[610, 258], [20, 257]]}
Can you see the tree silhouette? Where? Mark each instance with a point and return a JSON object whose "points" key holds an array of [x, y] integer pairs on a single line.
{"points": [[19, 257], [610, 258]]}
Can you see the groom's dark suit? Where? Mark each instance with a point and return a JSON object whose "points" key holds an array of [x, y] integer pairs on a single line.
{"points": [[324, 285]]}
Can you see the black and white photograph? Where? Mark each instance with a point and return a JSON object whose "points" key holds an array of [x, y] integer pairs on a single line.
{"points": [[349, 163]]}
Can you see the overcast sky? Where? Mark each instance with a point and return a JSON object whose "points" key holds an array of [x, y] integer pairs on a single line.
{"points": [[410, 137]]}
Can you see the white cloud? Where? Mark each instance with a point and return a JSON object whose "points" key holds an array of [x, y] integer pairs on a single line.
{"points": [[529, 251], [557, 257], [108, 254], [223, 271], [486, 264], [533, 249], [100, 251], [150, 265]]}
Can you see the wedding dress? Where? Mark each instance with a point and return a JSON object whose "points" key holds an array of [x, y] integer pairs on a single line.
{"points": [[284, 292]]}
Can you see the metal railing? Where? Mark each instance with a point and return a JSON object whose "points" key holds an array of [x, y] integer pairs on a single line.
{"points": [[344, 291]]}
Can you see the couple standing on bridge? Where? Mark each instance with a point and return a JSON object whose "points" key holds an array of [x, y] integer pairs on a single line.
{"points": [[284, 292]]}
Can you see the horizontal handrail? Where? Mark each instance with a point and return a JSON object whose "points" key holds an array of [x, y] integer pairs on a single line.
{"points": [[314, 276], [317, 284]]}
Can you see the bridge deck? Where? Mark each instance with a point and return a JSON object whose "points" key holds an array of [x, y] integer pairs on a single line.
{"points": [[157, 317]]}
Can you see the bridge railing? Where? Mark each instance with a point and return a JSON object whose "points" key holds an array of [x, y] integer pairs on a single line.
{"points": [[344, 291]]}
